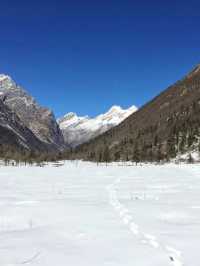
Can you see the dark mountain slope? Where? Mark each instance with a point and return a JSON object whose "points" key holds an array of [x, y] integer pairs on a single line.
{"points": [[39, 120], [14, 135], [168, 124]]}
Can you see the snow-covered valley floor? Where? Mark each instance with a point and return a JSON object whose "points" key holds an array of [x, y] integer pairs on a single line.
{"points": [[81, 214]]}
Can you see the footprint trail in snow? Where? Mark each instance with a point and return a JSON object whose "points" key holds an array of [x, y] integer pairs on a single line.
{"points": [[145, 238]]}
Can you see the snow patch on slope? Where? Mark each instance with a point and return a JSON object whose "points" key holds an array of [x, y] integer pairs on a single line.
{"points": [[189, 156]]}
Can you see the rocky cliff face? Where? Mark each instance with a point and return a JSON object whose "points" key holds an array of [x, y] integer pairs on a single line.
{"points": [[39, 120], [77, 130], [14, 134]]}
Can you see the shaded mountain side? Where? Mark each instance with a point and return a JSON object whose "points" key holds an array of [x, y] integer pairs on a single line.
{"points": [[167, 125], [39, 120], [14, 147], [14, 135]]}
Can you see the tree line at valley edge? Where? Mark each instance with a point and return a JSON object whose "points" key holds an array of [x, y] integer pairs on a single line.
{"points": [[164, 127]]}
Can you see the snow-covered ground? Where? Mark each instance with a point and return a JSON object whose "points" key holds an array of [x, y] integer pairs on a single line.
{"points": [[81, 214]]}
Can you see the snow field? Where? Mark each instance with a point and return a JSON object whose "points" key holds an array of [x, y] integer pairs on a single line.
{"points": [[81, 214]]}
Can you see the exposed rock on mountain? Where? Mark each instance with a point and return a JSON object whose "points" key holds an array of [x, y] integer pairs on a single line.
{"points": [[77, 130], [166, 126], [14, 134], [39, 120]]}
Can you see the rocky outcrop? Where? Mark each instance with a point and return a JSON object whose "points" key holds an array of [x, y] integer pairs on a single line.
{"points": [[14, 134], [39, 120]]}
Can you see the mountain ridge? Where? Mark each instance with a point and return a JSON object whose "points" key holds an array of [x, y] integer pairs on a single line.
{"points": [[79, 129], [40, 120], [165, 126], [14, 135]]}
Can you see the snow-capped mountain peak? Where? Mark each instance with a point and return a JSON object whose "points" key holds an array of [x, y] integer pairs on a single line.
{"points": [[115, 108], [6, 82], [70, 116], [77, 130], [39, 120], [3, 77], [116, 114], [71, 119]]}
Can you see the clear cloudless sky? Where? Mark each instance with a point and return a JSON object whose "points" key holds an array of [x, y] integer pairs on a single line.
{"points": [[85, 56]]}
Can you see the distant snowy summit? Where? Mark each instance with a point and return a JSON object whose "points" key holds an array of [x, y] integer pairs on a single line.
{"points": [[71, 129], [77, 130], [6, 83]]}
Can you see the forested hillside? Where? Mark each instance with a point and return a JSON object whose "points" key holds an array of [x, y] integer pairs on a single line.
{"points": [[164, 127]]}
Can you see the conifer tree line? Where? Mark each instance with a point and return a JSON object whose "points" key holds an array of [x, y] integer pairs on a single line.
{"points": [[143, 145], [10, 154], [167, 126]]}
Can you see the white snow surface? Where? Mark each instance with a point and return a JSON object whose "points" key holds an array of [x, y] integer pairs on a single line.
{"points": [[81, 214], [6, 82], [77, 130], [3, 77], [185, 156]]}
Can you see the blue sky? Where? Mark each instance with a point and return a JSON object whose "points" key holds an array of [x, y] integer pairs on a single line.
{"points": [[85, 56]]}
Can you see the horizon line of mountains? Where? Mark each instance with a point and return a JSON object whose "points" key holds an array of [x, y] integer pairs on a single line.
{"points": [[26, 127], [164, 127]]}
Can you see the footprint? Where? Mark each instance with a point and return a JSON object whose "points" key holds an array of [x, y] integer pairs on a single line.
{"points": [[152, 240], [134, 228], [118, 206], [127, 219], [154, 243], [173, 254], [173, 250], [123, 212]]}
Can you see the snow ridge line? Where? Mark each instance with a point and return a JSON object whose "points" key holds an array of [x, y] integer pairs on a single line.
{"points": [[126, 217]]}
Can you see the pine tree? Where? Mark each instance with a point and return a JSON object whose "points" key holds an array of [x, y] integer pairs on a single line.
{"points": [[116, 156], [159, 156], [106, 155], [136, 154], [171, 147], [190, 159]]}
